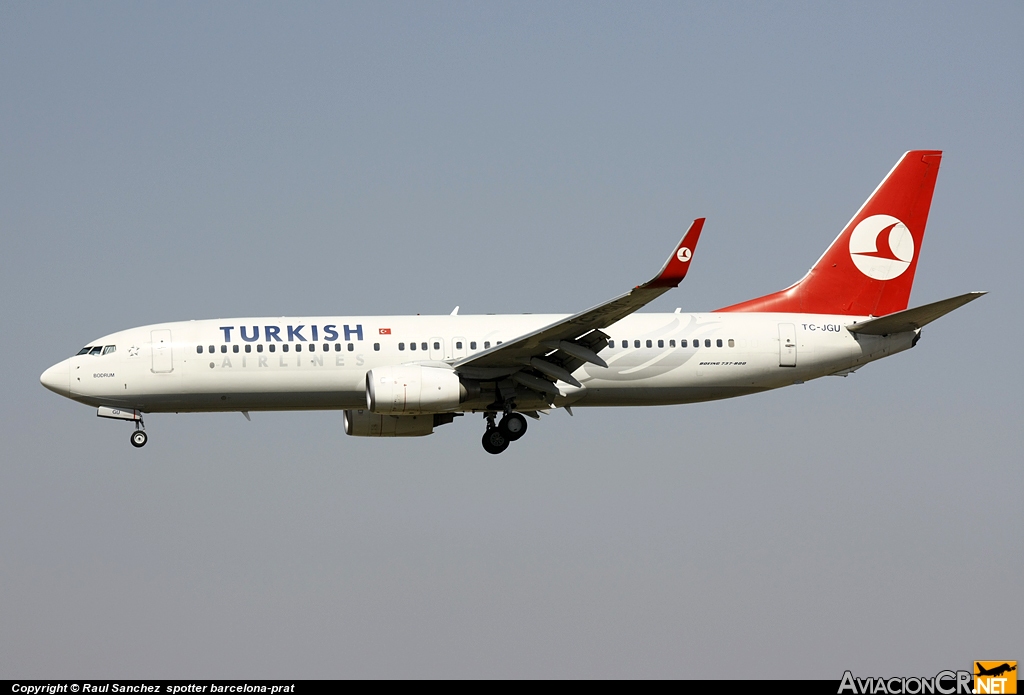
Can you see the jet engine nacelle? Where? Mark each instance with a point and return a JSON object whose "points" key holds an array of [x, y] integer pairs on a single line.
{"points": [[363, 423], [412, 389]]}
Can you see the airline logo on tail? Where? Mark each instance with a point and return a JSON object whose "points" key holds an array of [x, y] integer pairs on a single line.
{"points": [[881, 247]]}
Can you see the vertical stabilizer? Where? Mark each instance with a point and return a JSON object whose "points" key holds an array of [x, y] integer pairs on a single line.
{"points": [[869, 268]]}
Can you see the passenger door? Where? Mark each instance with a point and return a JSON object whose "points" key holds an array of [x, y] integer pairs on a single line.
{"points": [[163, 358]]}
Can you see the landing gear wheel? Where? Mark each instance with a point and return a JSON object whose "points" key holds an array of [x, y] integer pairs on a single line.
{"points": [[139, 439], [494, 441], [513, 426]]}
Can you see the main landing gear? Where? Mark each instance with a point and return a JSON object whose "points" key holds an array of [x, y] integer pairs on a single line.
{"points": [[497, 437]]}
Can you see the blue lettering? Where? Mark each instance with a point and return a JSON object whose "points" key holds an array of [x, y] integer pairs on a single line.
{"points": [[358, 332], [271, 333], [314, 333], [255, 334], [330, 333], [293, 333], [227, 333]]}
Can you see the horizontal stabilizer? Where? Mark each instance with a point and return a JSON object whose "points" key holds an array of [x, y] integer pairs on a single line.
{"points": [[912, 319]]}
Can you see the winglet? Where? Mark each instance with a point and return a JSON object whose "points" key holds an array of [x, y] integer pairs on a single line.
{"points": [[674, 270]]}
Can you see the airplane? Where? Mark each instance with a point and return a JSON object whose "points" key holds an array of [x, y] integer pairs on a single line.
{"points": [[403, 376], [995, 671]]}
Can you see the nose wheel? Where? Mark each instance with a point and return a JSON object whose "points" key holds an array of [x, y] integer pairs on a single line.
{"points": [[139, 439]]}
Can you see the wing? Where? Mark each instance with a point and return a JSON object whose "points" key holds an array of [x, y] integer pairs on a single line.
{"points": [[553, 352]]}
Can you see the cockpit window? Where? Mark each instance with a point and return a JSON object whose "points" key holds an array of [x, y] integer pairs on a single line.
{"points": [[107, 349], [85, 350], [96, 350]]}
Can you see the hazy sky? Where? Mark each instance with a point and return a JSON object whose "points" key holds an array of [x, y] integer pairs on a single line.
{"points": [[163, 161]]}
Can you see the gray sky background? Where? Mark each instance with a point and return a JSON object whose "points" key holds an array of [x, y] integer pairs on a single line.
{"points": [[171, 161]]}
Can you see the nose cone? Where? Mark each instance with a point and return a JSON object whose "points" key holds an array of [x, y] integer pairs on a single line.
{"points": [[58, 378]]}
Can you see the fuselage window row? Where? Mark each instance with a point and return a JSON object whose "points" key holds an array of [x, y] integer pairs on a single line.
{"points": [[719, 342]]}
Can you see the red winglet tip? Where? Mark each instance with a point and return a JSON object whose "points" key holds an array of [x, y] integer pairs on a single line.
{"points": [[678, 263]]}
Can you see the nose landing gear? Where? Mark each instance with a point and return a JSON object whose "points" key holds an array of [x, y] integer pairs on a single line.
{"points": [[139, 436]]}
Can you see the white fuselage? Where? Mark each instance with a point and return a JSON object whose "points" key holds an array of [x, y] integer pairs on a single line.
{"points": [[321, 362]]}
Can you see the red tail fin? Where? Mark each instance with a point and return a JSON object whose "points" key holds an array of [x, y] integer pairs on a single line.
{"points": [[869, 269]]}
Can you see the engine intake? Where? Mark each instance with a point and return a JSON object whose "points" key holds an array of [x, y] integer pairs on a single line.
{"points": [[412, 389]]}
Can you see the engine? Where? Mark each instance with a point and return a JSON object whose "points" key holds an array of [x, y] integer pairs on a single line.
{"points": [[363, 423], [412, 389]]}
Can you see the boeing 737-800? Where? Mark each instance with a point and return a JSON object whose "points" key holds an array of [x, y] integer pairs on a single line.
{"points": [[402, 376]]}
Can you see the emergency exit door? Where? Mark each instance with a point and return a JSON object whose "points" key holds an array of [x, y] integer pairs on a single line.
{"points": [[787, 345]]}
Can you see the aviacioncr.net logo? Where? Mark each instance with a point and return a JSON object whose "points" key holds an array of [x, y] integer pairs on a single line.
{"points": [[881, 247]]}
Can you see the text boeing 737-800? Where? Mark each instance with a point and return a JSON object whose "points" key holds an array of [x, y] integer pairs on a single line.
{"points": [[402, 376]]}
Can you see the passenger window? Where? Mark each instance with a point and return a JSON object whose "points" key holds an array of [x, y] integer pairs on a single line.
{"points": [[248, 348], [636, 343], [661, 343], [498, 343], [437, 345], [707, 342], [732, 343], [234, 348], [487, 344], [259, 348], [412, 346], [718, 342], [611, 343], [111, 348], [401, 347], [351, 347], [472, 345], [337, 347], [271, 347], [625, 343], [223, 348], [671, 343], [211, 350], [284, 348], [376, 347], [327, 347], [682, 343], [298, 347], [458, 345], [650, 344], [199, 349], [423, 346]]}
